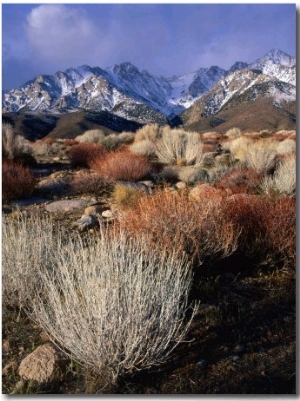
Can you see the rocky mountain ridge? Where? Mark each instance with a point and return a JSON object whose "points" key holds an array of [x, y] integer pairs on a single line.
{"points": [[136, 95]]}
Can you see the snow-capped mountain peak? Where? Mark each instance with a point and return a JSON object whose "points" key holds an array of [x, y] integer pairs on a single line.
{"points": [[128, 92]]}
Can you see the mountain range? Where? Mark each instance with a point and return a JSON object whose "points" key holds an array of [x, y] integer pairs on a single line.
{"points": [[130, 94]]}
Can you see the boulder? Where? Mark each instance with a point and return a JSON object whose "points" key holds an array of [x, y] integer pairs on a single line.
{"points": [[68, 205], [41, 365], [86, 222]]}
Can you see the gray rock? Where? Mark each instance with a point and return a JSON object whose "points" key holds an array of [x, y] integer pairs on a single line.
{"points": [[109, 214], [66, 205], [40, 365], [86, 222], [33, 200], [55, 186]]}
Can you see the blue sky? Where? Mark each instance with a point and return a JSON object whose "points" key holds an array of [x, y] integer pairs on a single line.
{"points": [[164, 39]]}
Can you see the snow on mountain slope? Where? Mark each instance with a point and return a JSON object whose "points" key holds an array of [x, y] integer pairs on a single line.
{"points": [[131, 93]]}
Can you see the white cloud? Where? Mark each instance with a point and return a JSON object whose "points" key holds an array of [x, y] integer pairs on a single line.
{"points": [[60, 32]]}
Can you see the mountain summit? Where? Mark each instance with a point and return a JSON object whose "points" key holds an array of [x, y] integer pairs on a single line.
{"points": [[137, 95]]}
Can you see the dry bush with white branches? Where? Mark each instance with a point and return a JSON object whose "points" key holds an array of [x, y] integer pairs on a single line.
{"points": [[113, 304], [91, 136], [233, 132], [286, 146], [260, 155], [27, 243], [149, 132], [144, 148], [179, 147], [13, 145], [284, 178]]}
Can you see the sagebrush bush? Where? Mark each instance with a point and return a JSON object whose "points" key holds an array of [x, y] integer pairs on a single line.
{"points": [[260, 155], [17, 181], [27, 244], [91, 136], [114, 305], [122, 165], [286, 146], [111, 142], [233, 132], [83, 154], [179, 147], [238, 147], [283, 180], [144, 148], [14, 146], [125, 196], [174, 220], [149, 132]]}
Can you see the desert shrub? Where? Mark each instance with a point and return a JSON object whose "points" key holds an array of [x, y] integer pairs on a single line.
{"points": [[260, 155], [149, 132], [281, 232], [239, 180], [233, 132], [90, 183], [91, 136], [17, 181], [27, 244], [84, 153], [238, 147], [283, 180], [125, 196], [13, 146], [126, 137], [174, 220], [193, 174], [122, 165], [286, 146], [114, 304], [179, 147], [267, 227], [111, 142], [144, 148]]}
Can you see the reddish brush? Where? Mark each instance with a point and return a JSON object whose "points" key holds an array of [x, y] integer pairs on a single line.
{"points": [[83, 154], [267, 227], [174, 220], [17, 181], [240, 180], [122, 165]]}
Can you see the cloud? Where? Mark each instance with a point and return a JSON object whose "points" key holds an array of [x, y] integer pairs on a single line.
{"points": [[59, 32]]}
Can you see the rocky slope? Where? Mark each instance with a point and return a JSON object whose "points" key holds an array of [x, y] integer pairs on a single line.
{"points": [[138, 96]]}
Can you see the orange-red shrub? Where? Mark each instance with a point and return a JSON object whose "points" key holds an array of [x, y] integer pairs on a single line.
{"points": [[83, 154], [174, 220], [240, 180], [267, 228], [17, 181], [122, 165]]}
